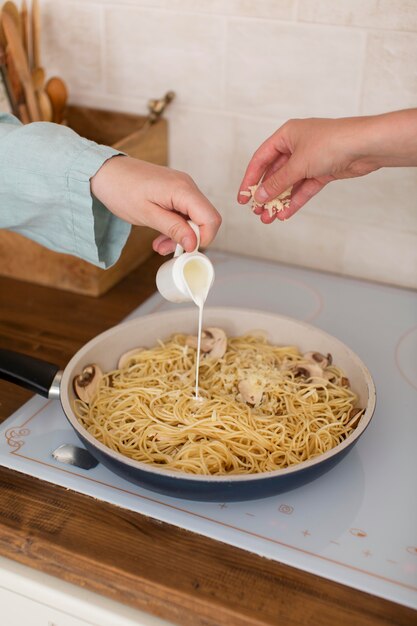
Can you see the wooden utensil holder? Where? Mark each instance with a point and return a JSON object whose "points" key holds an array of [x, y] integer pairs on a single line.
{"points": [[26, 260]]}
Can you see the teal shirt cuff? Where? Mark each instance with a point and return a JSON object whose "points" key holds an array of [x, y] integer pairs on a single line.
{"points": [[45, 172], [92, 222]]}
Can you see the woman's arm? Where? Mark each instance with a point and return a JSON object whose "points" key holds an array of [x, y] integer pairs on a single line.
{"points": [[54, 187], [308, 154]]}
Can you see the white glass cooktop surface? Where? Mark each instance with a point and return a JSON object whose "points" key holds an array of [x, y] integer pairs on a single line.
{"points": [[357, 524]]}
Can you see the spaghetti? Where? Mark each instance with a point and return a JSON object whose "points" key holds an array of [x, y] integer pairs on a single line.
{"points": [[262, 407]]}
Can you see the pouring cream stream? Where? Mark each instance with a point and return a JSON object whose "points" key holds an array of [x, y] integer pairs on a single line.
{"points": [[187, 276], [198, 280]]}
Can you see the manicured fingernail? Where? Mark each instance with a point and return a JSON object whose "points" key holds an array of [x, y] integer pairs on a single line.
{"points": [[187, 242], [261, 195], [266, 218]]}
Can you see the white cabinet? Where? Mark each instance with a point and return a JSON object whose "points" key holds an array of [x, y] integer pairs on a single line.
{"points": [[31, 598], [18, 610]]}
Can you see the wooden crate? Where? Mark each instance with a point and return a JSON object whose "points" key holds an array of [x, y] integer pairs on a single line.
{"points": [[26, 260]]}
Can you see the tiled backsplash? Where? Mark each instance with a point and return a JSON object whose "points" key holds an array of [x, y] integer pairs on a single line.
{"points": [[241, 68]]}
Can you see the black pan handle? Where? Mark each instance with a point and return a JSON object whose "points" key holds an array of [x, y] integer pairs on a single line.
{"points": [[27, 371]]}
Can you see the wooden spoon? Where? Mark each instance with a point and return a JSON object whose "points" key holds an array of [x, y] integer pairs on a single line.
{"points": [[45, 106], [14, 79], [14, 85], [4, 74], [38, 73], [36, 34], [11, 9], [3, 40], [24, 20], [57, 92], [14, 42]]}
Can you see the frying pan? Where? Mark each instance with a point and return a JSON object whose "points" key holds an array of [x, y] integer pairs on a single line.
{"points": [[106, 348]]}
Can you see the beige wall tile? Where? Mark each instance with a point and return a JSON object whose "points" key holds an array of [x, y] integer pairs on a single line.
{"points": [[71, 43], [390, 76], [323, 243], [224, 144], [271, 9], [250, 132], [386, 199], [92, 98], [149, 52], [239, 231], [382, 255], [238, 77], [276, 69], [303, 240], [392, 14], [202, 144]]}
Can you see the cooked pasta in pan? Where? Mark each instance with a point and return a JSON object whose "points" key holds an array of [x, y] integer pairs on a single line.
{"points": [[262, 407]]}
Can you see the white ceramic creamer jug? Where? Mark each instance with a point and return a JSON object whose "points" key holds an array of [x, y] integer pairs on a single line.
{"points": [[188, 276]]}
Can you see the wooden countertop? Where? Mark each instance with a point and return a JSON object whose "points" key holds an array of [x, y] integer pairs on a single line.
{"points": [[128, 557]]}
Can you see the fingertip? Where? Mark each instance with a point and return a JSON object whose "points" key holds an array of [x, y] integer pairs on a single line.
{"points": [[166, 248], [243, 196], [261, 195], [163, 245], [289, 212], [189, 242], [209, 229], [266, 218]]}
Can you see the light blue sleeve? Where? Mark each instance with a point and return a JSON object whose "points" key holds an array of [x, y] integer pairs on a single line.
{"points": [[45, 172]]}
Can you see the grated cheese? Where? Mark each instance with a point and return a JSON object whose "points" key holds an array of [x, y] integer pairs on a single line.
{"points": [[274, 206]]}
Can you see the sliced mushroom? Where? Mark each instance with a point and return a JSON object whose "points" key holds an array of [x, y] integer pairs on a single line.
{"points": [[320, 359], [307, 369], [251, 391], [86, 383], [330, 376], [301, 372], [345, 382], [220, 342], [355, 417], [213, 342], [207, 343], [125, 358]]}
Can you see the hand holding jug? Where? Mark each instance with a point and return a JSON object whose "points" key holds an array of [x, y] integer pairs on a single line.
{"points": [[188, 276]]}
